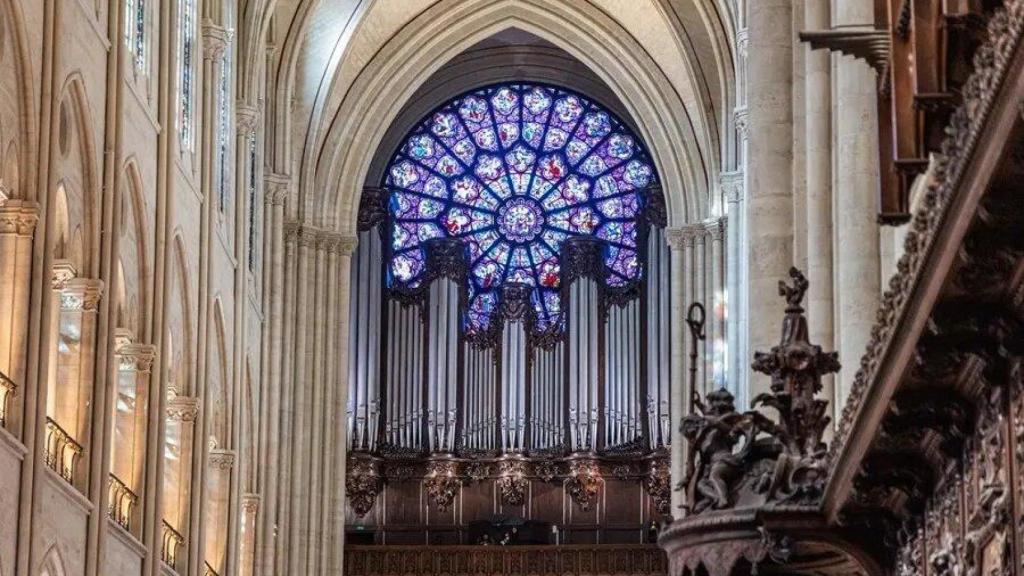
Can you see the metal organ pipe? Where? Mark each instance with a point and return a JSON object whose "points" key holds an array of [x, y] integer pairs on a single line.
{"points": [[442, 375], [364, 342], [658, 330]]}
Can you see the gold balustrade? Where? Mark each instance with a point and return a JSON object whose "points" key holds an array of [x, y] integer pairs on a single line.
{"points": [[121, 502], [62, 451], [170, 543]]}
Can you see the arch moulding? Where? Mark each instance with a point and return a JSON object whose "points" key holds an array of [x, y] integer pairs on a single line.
{"points": [[381, 90]]}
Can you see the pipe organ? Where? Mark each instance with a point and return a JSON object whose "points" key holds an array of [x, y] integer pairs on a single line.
{"points": [[596, 382]]}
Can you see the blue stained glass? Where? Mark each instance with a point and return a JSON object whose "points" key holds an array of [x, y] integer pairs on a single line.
{"points": [[515, 170]]}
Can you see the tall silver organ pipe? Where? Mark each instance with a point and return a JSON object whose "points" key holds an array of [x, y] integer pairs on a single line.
{"points": [[442, 363], [513, 386], [546, 396], [583, 363], [479, 399], [364, 342], [404, 372], [658, 330], [622, 375]]}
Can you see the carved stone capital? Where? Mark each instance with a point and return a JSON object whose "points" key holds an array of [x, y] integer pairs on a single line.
{"points": [[136, 357], [716, 228], [182, 408], [221, 459], [732, 186], [251, 503], [63, 271], [215, 40], [18, 217], [247, 118], [81, 294], [276, 189], [683, 237], [347, 244]]}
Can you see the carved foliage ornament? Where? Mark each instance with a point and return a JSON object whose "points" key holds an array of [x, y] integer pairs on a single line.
{"points": [[658, 486], [362, 484], [584, 482], [442, 483], [512, 482]]}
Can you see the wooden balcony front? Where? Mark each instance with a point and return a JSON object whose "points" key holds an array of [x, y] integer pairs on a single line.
{"points": [[587, 560]]}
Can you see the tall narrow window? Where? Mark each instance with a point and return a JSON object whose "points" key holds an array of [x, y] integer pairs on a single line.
{"points": [[223, 131], [186, 58], [251, 188], [135, 33]]}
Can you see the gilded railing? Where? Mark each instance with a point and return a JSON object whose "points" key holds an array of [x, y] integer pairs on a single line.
{"points": [[574, 560], [170, 543], [121, 502], [209, 571], [62, 451], [7, 390]]}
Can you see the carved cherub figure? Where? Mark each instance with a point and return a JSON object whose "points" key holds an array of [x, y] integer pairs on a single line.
{"points": [[712, 436]]}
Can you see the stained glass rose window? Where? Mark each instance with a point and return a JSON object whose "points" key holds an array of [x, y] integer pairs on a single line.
{"points": [[514, 170]]}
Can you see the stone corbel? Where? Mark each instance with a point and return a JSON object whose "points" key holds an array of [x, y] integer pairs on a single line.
{"points": [[221, 459], [863, 42], [183, 408], [63, 271], [18, 217]]}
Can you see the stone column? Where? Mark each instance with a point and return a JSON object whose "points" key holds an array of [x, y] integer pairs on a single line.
{"points": [[769, 214], [819, 187], [676, 239], [716, 309], [338, 417], [732, 188], [217, 503], [182, 413], [128, 446], [276, 192], [247, 539], [857, 257], [72, 395], [699, 294], [18, 220]]}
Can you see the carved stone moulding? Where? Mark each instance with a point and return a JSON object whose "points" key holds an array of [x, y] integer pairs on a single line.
{"points": [[362, 483], [584, 481], [788, 540]]}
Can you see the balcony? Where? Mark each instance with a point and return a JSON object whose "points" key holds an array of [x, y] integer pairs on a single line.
{"points": [[586, 560], [171, 542], [121, 502], [62, 451]]}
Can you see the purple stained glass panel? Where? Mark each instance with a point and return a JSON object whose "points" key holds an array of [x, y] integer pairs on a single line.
{"points": [[515, 170]]}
